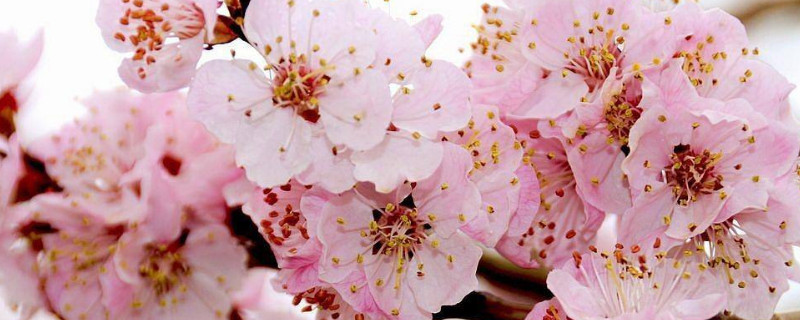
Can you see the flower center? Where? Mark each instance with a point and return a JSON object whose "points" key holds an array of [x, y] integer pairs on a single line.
{"points": [[594, 63], [620, 115], [296, 85], [692, 174], [164, 269], [8, 107], [397, 231], [149, 23], [322, 298]]}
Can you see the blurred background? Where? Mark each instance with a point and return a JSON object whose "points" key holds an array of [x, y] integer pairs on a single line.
{"points": [[76, 61]]}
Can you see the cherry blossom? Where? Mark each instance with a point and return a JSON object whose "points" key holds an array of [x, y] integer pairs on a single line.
{"points": [[322, 111], [496, 156], [501, 74], [690, 170], [409, 253], [634, 285], [554, 220], [103, 159], [165, 39], [581, 44], [190, 276], [19, 58], [720, 64], [18, 283]]}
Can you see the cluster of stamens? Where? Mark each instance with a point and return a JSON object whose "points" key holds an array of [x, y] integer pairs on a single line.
{"points": [[164, 269], [282, 225], [724, 248], [322, 298], [594, 63], [488, 42], [296, 85], [153, 22], [692, 174], [620, 116], [629, 277], [397, 231]]}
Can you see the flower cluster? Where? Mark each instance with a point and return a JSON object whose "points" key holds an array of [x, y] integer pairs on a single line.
{"points": [[663, 116], [121, 215], [375, 178]]}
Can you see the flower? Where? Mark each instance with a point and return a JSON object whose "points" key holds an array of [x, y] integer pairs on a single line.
{"points": [[18, 283], [165, 36], [689, 170], [720, 65], [581, 44], [409, 251], [330, 101], [103, 160], [600, 132], [190, 276], [752, 268], [93, 157], [501, 74], [635, 285], [19, 59], [288, 217], [496, 155], [554, 220]]}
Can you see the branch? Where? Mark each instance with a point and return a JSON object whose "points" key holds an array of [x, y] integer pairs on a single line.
{"points": [[481, 306]]}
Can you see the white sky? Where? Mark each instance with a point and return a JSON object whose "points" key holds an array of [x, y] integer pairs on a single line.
{"points": [[76, 61]]}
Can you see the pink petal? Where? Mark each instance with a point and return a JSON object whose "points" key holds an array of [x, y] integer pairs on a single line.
{"points": [[398, 158], [448, 194], [437, 100], [274, 148], [174, 67], [429, 28], [357, 112], [456, 278], [223, 91]]}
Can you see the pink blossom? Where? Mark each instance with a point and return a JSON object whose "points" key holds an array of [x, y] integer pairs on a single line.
{"points": [[496, 155], [19, 58], [93, 157], [600, 132], [689, 170], [501, 74], [720, 64], [165, 39], [582, 44], [433, 99], [410, 255], [275, 119], [554, 220], [747, 262], [330, 101], [193, 162], [73, 244], [190, 276], [631, 286], [283, 220], [288, 217], [103, 159], [18, 281]]}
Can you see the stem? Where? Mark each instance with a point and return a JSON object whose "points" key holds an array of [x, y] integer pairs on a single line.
{"points": [[481, 306]]}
